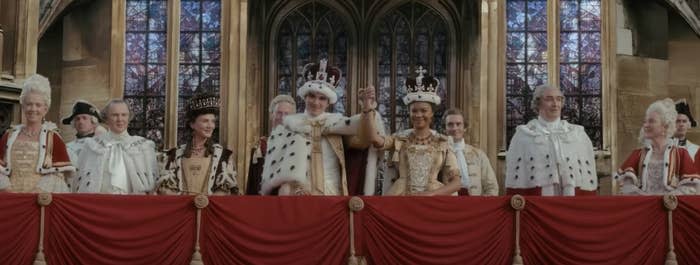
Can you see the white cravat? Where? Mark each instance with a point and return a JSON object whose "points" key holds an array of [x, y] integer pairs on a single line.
{"points": [[117, 166], [462, 162]]}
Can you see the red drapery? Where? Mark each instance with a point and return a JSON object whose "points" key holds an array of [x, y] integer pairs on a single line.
{"points": [[440, 230], [588, 230], [19, 228], [102, 229], [275, 230]]}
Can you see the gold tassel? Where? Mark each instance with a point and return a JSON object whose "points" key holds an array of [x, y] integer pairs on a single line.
{"points": [[517, 202], [196, 257], [40, 259], [200, 202], [43, 199], [355, 260], [670, 203], [355, 204]]}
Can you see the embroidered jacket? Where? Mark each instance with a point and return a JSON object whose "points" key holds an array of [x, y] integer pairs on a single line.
{"points": [[222, 173]]}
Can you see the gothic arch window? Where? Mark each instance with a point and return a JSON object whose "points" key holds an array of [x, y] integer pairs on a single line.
{"points": [[200, 55], [410, 36], [146, 60], [529, 61], [307, 34]]}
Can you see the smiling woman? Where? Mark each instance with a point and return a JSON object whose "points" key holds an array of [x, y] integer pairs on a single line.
{"points": [[425, 162], [33, 157], [200, 166], [660, 167]]}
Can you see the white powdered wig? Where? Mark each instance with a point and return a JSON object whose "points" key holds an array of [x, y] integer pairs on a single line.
{"points": [[36, 84]]}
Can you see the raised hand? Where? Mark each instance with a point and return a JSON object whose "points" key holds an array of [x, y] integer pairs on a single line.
{"points": [[368, 98]]}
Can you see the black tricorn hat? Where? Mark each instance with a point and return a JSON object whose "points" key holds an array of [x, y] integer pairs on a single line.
{"points": [[82, 107], [683, 108]]}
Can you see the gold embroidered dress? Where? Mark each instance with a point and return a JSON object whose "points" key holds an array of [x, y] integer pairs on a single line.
{"points": [[196, 174], [24, 156], [419, 164]]}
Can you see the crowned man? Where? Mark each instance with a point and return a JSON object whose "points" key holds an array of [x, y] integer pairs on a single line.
{"points": [[306, 154], [549, 156], [685, 120], [116, 162]]}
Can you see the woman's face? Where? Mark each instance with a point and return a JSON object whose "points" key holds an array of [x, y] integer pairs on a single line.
{"points": [[34, 107], [203, 126], [421, 115], [653, 126]]}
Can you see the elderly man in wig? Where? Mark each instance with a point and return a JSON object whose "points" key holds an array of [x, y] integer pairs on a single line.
{"points": [[549, 156], [306, 154], [684, 121], [117, 162], [280, 107]]}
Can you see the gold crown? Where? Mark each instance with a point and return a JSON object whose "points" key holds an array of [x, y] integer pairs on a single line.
{"points": [[422, 88]]}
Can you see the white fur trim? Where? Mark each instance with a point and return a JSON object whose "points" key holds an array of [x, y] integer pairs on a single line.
{"points": [[421, 97], [4, 180], [318, 86]]}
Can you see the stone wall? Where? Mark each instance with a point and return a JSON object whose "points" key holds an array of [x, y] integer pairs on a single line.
{"points": [[75, 55], [645, 73]]}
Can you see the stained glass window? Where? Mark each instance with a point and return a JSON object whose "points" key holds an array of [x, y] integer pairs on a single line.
{"points": [[580, 71], [308, 34], [200, 55], [144, 86], [410, 36], [526, 58]]}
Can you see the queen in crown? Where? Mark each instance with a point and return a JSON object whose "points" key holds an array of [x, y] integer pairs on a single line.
{"points": [[200, 166], [425, 161]]}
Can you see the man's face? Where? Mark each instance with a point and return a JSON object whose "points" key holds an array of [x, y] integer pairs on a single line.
{"points": [[281, 110], [550, 104], [682, 125], [316, 103], [83, 124], [118, 117], [455, 126]]}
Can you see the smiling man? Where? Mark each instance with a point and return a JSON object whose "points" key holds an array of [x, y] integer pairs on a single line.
{"points": [[549, 156], [116, 162], [85, 119], [306, 153], [476, 174]]}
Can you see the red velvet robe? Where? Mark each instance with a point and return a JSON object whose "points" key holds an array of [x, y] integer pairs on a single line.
{"points": [[681, 164], [53, 157]]}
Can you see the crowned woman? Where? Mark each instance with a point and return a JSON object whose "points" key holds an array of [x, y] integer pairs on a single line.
{"points": [[426, 163], [200, 166]]}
